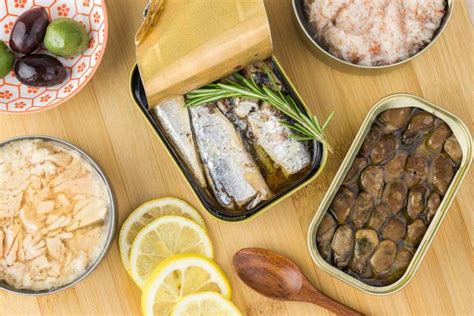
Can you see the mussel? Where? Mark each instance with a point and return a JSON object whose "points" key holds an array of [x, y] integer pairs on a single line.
{"points": [[372, 137], [366, 240], [362, 209], [383, 257], [453, 149], [416, 201], [442, 172], [395, 119], [372, 180], [342, 245], [394, 196], [432, 205], [384, 149], [354, 172], [415, 233], [437, 139], [342, 204], [420, 125], [417, 169], [395, 168], [395, 229], [326, 230], [379, 215]]}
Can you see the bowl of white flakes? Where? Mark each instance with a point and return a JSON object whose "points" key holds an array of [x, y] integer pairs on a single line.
{"points": [[57, 215]]}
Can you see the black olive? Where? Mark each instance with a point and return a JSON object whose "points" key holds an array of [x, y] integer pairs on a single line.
{"points": [[40, 70], [29, 30]]}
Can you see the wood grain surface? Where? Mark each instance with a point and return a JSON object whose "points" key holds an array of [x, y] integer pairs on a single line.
{"points": [[103, 120]]}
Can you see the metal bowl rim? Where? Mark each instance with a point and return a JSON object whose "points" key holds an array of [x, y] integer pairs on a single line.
{"points": [[112, 222], [302, 26]]}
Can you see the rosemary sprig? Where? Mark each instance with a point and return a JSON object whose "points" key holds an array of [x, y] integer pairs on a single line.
{"points": [[304, 127]]}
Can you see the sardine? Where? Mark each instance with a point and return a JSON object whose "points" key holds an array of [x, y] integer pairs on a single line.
{"points": [[174, 118], [231, 172], [264, 127], [264, 123], [264, 162], [291, 155]]}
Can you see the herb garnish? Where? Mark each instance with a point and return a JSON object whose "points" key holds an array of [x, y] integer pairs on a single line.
{"points": [[304, 127]]}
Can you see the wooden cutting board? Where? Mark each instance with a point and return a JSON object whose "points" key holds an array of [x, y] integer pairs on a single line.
{"points": [[103, 121]]}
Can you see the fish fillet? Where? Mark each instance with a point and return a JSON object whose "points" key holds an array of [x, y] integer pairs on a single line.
{"points": [[264, 126], [174, 118], [264, 123], [233, 175]]}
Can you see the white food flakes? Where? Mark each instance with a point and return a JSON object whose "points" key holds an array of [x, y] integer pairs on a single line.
{"points": [[53, 206], [374, 32]]}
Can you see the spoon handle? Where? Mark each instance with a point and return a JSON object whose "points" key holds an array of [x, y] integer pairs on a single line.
{"points": [[312, 295]]}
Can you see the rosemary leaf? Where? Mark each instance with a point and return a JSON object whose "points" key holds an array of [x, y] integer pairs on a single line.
{"points": [[328, 120], [305, 127], [301, 138], [205, 91], [296, 127], [239, 90], [200, 101], [252, 86]]}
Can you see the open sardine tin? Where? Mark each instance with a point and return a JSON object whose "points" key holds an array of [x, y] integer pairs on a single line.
{"points": [[464, 138], [184, 45]]}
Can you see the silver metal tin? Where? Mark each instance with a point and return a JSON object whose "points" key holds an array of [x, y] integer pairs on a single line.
{"points": [[465, 140], [319, 51], [111, 222]]}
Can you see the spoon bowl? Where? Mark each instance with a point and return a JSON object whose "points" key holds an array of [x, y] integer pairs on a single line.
{"points": [[277, 277]]}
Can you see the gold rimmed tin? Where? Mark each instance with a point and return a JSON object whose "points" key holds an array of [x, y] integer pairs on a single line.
{"points": [[174, 59], [465, 140], [335, 62], [319, 154]]}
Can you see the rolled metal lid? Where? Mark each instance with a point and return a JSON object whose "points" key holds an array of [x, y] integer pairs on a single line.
{"points": [[185, 44]]}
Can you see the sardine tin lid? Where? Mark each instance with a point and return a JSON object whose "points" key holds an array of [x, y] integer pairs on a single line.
{"points": [[185, 44]]}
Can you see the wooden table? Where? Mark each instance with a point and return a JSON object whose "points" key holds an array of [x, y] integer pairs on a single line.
{"points": [[103, 121]]}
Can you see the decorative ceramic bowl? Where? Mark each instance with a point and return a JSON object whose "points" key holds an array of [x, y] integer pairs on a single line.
{"points": [[18, 98]]}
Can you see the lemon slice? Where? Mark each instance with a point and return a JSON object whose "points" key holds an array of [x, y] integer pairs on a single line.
{"points": [[163, 238], [179, 276], [205, 303], [148, 212]]}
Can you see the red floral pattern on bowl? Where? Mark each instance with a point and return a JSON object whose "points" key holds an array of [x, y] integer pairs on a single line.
{"points": [[18, 98]]}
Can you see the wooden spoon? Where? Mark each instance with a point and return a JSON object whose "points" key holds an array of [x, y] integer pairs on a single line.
{"points": [[277, 277]]}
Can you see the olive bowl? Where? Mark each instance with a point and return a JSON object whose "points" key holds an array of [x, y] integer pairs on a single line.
{"points": [[18, 98]]}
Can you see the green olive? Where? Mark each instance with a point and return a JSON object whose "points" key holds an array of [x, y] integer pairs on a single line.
{"points": [[7, 59], [66, 37]]}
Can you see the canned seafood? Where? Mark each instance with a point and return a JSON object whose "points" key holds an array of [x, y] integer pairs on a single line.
{"points": [[308, 37], [395, 235], [317, 150], [110, 220]]}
